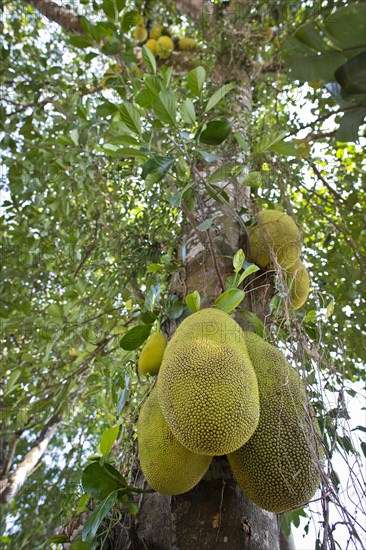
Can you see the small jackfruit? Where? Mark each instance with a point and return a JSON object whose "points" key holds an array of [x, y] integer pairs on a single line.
{"points": [[152, 45], [207, 387], [300, 284], [187, 44], [152, 353], [278, 468], [140, 33], [165, 46], [156, 31], [166, 464], [276, 232]]}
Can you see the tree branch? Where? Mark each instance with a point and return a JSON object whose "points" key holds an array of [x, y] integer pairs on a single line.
{"points": [[64, 17], [9, 488]]}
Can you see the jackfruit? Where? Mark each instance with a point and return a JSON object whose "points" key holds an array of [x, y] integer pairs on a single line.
{"points": [[152, 45], [152, 353], [275, 232], [300, 284], [156, 31], [207, 387], [187, 44], [140, 33], [278, 468], [165, 47], [166, 464]]}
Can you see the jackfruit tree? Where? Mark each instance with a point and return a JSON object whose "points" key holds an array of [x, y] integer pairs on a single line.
{"points": [[182, 307]]}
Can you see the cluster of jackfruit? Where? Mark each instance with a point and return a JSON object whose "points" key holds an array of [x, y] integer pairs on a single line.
{"points": [[159, 40], [277, 236], [222, 391]]}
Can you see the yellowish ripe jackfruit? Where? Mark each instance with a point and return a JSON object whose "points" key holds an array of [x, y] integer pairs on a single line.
{"points": [[275, 232], [166, 464], [187, 44], [300, 284], [152, 353], [152, 45], [156, 30], [140, 33], [165, 47], [207, 387], [278, 468]]}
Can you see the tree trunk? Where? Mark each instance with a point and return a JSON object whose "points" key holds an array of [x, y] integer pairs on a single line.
{"points": [[215, 514]]}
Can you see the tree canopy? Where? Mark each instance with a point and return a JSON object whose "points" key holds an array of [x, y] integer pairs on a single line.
{"points": [[107, 151]]}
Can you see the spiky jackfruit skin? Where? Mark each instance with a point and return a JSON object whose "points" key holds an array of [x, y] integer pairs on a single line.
{"points": [[275, 232], [152, 45], [168, 466], [156, 31], [187, 44], [300, 284], [152, 354], [207, 387], [165, 47], [278, 468]]}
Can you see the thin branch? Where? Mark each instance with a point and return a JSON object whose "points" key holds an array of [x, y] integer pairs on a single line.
{"points": [[66, 18]]}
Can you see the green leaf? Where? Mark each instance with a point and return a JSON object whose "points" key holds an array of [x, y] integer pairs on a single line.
{"points": [[352, 75], [253, 179], [188, 112], [347, 26], [135, 337], [99, 481], [79, 544], [205, 225], [56, 311], [229, 300], [249, 270], [107, 108], [329, 310], [96, 517], [79, 41], [195, 80], [152, 268], [238, 260], [165, 107], [193, 301], [219, 95], [123, 395], [363, 447], [349, 125], [215, 132], [284, 148], [109, 436], [256, 323], [223, 173], [361, 428], [131, 117], [157, 165], [149, 59], [12, 381], [82, 503], [268, 141]]}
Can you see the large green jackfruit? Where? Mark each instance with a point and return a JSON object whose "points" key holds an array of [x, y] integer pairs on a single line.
{"points": [[276, 232], [207, 387], [300, 284], [278, 468], [168, 466]]}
